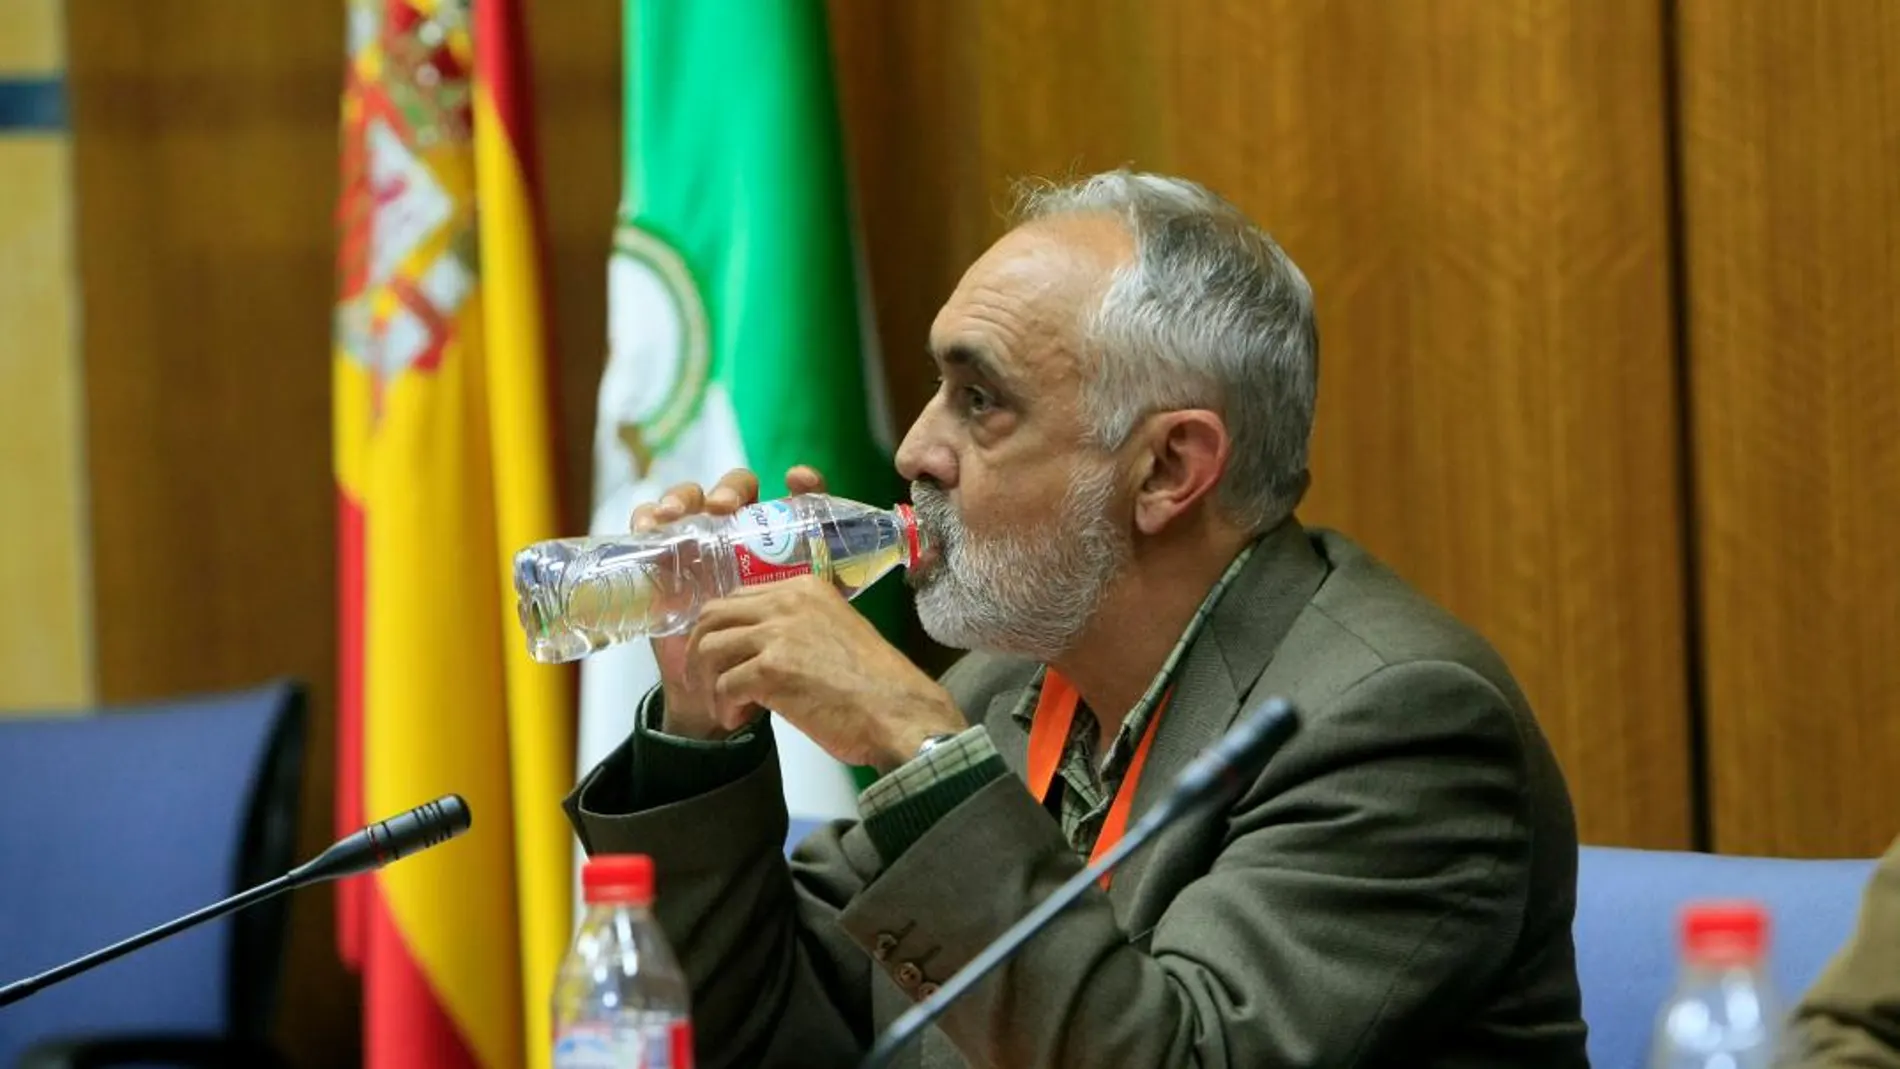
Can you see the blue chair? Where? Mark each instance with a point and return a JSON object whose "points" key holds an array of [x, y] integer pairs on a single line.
{"points": [[1628, 904], [797, 832], [117, 820]]}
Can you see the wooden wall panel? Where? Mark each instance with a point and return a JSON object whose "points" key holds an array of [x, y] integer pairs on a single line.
{"points": [[205, 141], [45, 651], [577, 95], [1478, 190], [1791, 187]]}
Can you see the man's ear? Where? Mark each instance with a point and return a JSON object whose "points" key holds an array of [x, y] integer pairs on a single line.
{"points": [[1187, 451]]}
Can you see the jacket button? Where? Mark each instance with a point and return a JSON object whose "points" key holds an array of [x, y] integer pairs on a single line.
{"points": [[926, 989], [909, 975], [885, 944]]}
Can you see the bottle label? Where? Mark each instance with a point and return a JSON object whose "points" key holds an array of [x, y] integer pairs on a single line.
{"points": [[666, 1045], [597, 1046], [768, 543]]}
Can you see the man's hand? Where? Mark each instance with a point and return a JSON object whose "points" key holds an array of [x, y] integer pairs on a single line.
{"points": [[689, 711], [798, 648]]}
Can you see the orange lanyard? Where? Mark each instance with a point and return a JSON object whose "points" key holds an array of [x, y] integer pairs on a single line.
{"points": [[1049, 734]]}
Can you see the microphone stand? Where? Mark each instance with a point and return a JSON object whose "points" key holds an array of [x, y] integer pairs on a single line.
{"points": [[1215, 776], [918, 1017], [18, 990], [427, 825]]}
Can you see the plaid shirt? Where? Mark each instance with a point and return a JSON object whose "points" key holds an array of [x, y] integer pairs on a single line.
{"points": [[933, 783]]}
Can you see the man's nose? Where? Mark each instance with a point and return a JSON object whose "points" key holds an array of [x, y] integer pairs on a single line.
{"points": [[924, 455]]}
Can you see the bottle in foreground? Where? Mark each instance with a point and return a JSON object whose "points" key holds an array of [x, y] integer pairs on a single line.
{"points": [[578, 595], [620, 999], [1724, 1012]]}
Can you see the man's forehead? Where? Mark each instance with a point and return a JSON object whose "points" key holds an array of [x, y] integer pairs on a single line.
{"points": [[1078, 251], [1033, 284]]}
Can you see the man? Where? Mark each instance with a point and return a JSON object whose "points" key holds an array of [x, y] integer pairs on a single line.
{"points": [[1851, 1017], [1108, 473]]}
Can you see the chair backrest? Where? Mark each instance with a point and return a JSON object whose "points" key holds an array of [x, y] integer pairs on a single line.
{"points": [[1628, 903], [117, 820], [797, 830]]}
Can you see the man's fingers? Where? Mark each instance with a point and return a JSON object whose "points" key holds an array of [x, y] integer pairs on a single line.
{"points": [[682, 500], [762, 602], [737, 489], [734, 491], [735, 692], [716, 651], [676, 502], [804, 479], [731, 611]]}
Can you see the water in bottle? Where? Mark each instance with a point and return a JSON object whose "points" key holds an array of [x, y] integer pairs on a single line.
{"points": [[1724, 1012], [620, 999], [578, 595]]}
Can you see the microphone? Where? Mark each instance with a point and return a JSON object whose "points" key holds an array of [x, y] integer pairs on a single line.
{"points": [[426, 825], [1217, 775], [371, 848]]}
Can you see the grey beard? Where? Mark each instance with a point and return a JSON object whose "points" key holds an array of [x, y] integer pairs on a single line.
{"points": [[1029, 593]]}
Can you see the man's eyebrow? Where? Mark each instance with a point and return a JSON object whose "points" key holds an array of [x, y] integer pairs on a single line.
{"points": [[971, 358]]}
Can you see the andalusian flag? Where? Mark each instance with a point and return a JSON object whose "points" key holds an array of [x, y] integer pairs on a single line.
{"points": [[734, 308], [444, 463]]}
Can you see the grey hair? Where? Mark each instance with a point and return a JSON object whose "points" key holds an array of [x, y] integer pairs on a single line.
{"points": [[1210, 313]]}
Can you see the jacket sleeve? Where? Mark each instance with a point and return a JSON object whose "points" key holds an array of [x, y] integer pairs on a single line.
{"points": [[1851, 1017], [774, 981], [1370, 883]]}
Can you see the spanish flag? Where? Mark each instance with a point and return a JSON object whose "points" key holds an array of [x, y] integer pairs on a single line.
{"points": [[444, 458]]}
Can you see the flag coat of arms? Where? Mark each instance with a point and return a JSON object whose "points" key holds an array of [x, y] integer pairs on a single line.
{"points": [[444, 460]]}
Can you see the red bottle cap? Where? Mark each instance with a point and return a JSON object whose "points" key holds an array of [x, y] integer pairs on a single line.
{"points": [[618, 878], [913, 535], [1729, 933]]}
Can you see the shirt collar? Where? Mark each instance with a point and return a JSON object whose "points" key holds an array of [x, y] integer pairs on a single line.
{"points": [[1024, 712]]}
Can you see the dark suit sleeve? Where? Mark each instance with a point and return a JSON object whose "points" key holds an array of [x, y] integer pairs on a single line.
{"points": [[654, 769], [1851, 1017], [1367, 886], [774, 981]]}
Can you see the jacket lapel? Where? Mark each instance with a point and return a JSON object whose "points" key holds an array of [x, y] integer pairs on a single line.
{"points": [[1218, 672], [1011, 742]]}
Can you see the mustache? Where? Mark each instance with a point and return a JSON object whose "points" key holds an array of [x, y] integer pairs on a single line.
{"points": [[935, 514]]}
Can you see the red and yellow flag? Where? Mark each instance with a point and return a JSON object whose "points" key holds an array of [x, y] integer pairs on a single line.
{"points": [[444, 457]]}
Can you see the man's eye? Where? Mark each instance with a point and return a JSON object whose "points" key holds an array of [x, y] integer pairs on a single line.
{"points": [[976, 400]]}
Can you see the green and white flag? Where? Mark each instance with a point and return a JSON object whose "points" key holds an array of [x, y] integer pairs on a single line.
{"points": [[736, 332]]}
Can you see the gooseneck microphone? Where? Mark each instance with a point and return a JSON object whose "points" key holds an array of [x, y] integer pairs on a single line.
{"points": [[1217, 775], [371, 848], [428, 824]]}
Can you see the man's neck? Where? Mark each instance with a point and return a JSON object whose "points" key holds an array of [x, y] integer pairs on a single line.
{"points": [[1140, 621]]}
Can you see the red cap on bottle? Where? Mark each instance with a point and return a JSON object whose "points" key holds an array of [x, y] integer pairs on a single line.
{"points": [[913, 536], [1725, 932], [618, 878]]}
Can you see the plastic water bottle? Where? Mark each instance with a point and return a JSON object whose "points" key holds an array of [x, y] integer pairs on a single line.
{"points": [[1724, 1012], [578, 595], [620, 999]]}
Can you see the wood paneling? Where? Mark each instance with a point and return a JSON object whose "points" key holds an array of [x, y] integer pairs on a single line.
{"points": [[46, 650], [1478, 191], [1791, 186], [32, 37], [577, 84], [45, 653], [205, 140]]}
